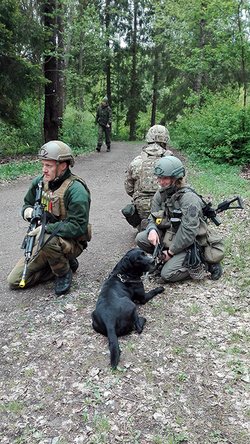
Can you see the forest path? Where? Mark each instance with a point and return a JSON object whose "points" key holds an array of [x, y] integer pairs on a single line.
{"points": [[183, 380]]}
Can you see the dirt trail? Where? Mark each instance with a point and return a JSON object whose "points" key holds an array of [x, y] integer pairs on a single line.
{"points": [[184, 380]]}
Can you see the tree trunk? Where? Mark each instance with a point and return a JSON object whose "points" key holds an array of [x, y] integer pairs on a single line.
{"points": [[53, 72], [107, 62], [202, 42], [242, 55], [155, 87], [133, 106]]}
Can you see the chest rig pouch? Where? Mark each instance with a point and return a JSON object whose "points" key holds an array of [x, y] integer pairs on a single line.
{"points": [[170, 219], [53, 202]]}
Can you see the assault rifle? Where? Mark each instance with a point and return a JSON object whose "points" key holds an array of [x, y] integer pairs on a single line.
{"points": [[28, 242], [211, 213], [157, 254]]}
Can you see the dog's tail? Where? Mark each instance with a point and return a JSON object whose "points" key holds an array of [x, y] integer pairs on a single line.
{"points": [[113, 347]]}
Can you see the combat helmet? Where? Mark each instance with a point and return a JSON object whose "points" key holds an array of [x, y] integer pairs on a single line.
{"points": [[169, 166], [56, 150], [158, 133], [105, 99]]}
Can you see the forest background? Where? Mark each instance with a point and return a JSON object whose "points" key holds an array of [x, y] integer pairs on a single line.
{"points": [[181, 64]]}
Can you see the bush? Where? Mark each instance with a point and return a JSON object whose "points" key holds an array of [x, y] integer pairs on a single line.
{"points": [[31, 129], [79, 130], [219, 130], [10, 141], [25, 139]]}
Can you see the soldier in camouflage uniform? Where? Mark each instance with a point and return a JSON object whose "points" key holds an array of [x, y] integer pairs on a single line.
{"points": [[66, 201], [104, 120], [177, 235], [140, 181]]}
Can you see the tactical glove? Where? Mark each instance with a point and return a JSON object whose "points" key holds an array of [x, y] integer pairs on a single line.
{"points": [[36, 232], [28, 213]]}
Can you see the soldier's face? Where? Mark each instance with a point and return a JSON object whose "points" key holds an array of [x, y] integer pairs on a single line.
{"points": [[51, 169], [165, 181]]}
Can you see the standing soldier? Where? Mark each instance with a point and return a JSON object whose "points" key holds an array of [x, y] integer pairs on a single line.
{"points": [[140, 181], [64, 231], [104, 120]]}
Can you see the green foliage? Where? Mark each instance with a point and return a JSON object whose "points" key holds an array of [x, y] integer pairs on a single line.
{"points": [[120, 130], [27, 137], [79, 130], [143, 123], [19, 75], [219, 130], [32, 124]]}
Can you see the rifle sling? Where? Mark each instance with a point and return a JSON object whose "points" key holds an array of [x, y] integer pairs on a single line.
{"points": [[41, 245]]}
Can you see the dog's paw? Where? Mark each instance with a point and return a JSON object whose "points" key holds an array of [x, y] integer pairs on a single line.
{"points": [[159, 289]]}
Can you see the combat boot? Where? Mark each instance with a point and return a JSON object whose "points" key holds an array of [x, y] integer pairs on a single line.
{"points": [[63, 283], [215, 270], [108, 148]]}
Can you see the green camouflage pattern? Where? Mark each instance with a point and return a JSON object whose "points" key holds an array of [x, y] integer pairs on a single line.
{"points": [[140, 182]]}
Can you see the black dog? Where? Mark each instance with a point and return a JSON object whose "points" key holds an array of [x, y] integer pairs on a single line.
{"points": [[115, 313]]}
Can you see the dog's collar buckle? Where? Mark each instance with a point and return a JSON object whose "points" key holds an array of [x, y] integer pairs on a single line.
{"points": [[123, 278]]}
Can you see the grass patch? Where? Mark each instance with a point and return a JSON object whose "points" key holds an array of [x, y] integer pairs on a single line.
{"points": [[218, 180], [12, 407], [10, 171]]}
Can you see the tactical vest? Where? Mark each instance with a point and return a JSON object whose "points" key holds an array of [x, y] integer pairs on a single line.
{"points": [[148, 181], [53, 201]]}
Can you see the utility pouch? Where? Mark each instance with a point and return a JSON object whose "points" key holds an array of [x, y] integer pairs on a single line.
{"points": [[161, 221], [168, 238], [131, 214], [214, 250]]}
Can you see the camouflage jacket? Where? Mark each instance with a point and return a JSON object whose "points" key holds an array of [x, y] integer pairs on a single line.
{"points": [[104, 115], [140, 180], [77, 202]]}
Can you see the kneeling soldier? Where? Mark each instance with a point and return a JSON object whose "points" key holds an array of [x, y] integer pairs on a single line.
{"points": [[62, 231], [189, 247]]}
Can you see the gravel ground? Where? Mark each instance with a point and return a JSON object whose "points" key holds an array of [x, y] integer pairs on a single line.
{"points": [[185, 379]]}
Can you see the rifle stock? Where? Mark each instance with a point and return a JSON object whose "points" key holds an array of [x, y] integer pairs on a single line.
{"points": [[211, 213]]}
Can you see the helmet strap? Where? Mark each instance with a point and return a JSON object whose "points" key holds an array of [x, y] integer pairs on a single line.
{"points": [[58, 176]]}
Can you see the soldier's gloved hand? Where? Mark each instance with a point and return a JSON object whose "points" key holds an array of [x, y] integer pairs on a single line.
{"points": [[28, 213], [153, 237], [166, 256], [36, 232]]}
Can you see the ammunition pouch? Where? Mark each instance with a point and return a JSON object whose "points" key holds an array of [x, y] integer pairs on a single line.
{"points": [[131, 214]]}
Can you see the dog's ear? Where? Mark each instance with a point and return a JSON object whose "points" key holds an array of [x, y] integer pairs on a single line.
{"points": [[126, 263]]}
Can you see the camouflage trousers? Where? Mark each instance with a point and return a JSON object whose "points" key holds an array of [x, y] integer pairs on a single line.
{"points": [[172, 270], [103, 131], [51, 261], [143, 205]]}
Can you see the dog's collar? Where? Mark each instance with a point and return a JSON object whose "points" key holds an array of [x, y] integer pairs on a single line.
{"points": [[124, 278]]}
